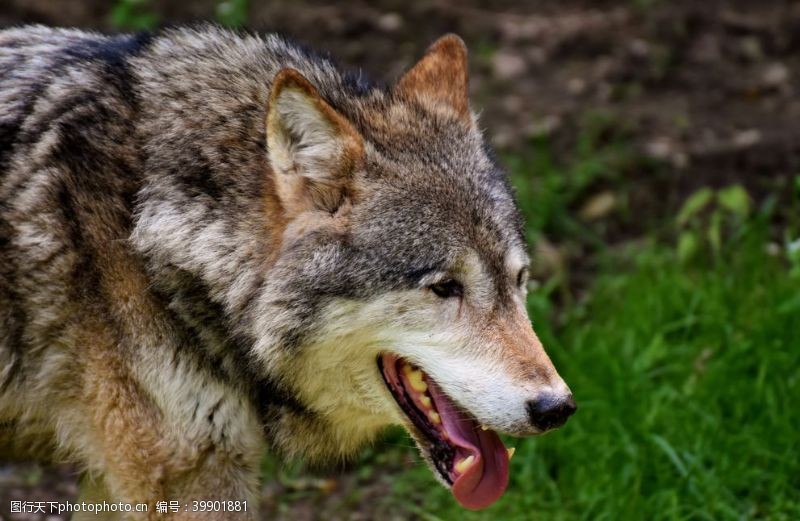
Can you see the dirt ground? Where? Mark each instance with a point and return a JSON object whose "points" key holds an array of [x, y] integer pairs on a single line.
{"points": [[707, 91], [708, 87]]}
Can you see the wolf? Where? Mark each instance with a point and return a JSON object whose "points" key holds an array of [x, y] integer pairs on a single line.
{"points": [[213, 244]]}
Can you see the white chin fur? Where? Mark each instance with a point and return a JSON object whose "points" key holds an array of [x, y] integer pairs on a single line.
{"points": [[347, 384]]}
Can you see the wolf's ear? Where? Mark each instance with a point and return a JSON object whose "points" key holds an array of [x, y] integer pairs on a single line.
{"points": [[440, 76], [313, 150]]}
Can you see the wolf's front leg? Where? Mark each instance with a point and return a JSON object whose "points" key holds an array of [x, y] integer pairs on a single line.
{"points": [[165, 435]]}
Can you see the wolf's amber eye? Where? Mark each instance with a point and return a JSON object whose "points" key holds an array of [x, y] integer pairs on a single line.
{"points": [[447, 288]]}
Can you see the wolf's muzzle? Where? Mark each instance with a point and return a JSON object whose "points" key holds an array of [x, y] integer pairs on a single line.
{"points": [[549, 411]]}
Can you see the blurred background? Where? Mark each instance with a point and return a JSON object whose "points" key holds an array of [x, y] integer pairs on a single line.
{"points": [[655, 149]]}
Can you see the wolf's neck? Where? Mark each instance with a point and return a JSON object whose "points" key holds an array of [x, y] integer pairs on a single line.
{"points": [[204, 214]]}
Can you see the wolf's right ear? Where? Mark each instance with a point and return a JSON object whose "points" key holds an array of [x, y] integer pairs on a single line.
{"points": [[313, 149], [440, 77]]}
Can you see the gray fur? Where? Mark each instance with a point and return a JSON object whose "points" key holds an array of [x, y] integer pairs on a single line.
{"points": [[144, 157]]}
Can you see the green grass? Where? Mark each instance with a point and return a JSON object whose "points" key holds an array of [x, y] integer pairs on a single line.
{"points": [[142, 15], [548, 191], [686, 378]]}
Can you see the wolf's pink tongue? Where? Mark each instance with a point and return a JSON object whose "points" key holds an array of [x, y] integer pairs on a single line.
{"points": [[485, 480]]}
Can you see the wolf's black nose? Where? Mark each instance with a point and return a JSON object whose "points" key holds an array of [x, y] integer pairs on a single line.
{"points": [[549, 411]]}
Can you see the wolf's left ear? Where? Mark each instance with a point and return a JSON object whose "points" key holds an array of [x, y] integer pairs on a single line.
{"points": [[313, 149], [440, 77]]}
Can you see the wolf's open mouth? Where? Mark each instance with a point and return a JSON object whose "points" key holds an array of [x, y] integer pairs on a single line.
{"points": [[469, 457]]}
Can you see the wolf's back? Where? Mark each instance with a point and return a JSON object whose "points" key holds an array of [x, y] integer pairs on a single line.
{"points": [[28, 57], [63, 115], [39, 66]]}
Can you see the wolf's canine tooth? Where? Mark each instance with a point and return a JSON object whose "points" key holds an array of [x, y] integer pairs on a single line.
{"points": [[464, 464]]}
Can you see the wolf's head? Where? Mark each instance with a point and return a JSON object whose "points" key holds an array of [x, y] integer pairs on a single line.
{"points": [[397, 293]]}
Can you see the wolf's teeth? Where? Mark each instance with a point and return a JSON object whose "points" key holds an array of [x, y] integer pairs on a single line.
{"points": [[434, 416], [511, 451], [425, 401], [416, 381], [484, 427], [464, 464], [407, 369]]}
